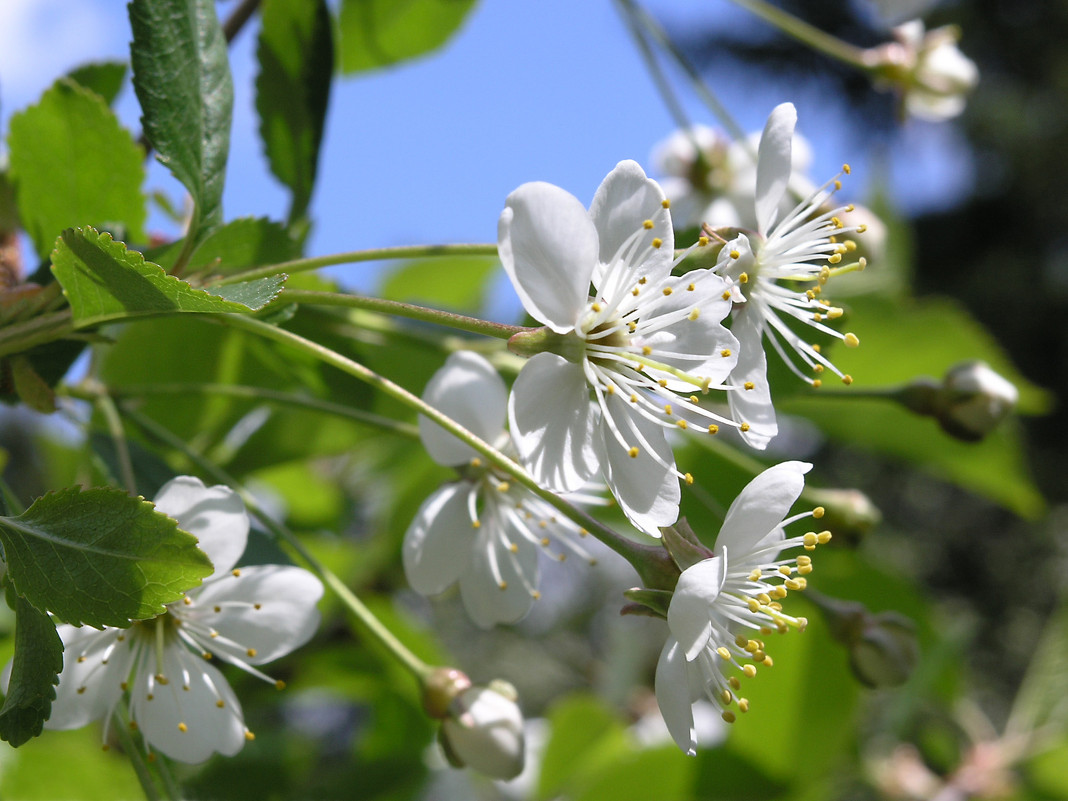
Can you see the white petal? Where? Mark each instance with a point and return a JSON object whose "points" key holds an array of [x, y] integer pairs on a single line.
{"points": [[214, 515], [488, 736], [673, 696], [470, 391], [548, 246], [264, 612], [752, 406], [552, 420], [100, 683], [760, 508], [647, 492], [690, 610], [774, 163], [438, 543], [484, 599], [625, 199], [209, 728]]}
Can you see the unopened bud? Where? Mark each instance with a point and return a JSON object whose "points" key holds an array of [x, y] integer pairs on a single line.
{"points": [[882, 645], [441, 689], [974, 400], [849, 513], [484, 731]]}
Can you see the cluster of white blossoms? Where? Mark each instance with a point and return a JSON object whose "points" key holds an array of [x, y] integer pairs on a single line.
{"points": [[725, 607], [179, 701], [630, 348]]}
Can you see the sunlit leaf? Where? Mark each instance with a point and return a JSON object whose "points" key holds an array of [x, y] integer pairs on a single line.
{"points": [[377, 33]]}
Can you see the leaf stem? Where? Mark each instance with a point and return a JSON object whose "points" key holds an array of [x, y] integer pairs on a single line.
{"points": [[118, 436], [647, 560], [253, 393], [472, 325], [810, 35], [35, 331], [364, 616], [356, 256]]}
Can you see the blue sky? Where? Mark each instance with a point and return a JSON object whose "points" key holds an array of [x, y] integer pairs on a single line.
{"points": [[426, 153]]}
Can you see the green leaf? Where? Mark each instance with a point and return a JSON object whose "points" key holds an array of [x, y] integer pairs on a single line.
{"points": [[105, 281], [99, 556], [73, 164], [454, 282], [181, 74], [941, 334], [34, 675], [377, 33], [103, 77], [296, 56]]}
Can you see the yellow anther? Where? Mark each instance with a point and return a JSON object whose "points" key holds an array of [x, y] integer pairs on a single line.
{"points": [[734, 682], [755, 574], [647, 225], [635, 292], [816, 383], [847, 379], [834, 258], [779, 592], [726, 295], [702, 241], [758, 656], [816, 347], [504, 486], [734, 254], [763, 598], [768, 661], [646, 350], [633, 452], [667, 290], [249, 735], [662, 382], [81, 690], [824, 275], [183, 728], [235, 572], [740, 640], [817, 317], [583, 532], [187, 600], [632, 327], [279, 685], [724, 653], [544, 542], [819, 512], [861, 229], [749, 670], [851, 340], [610, 389], [743, 278], [694, 399], [823, 537], [804, 561], [744, 427], [725, 353], [665, 203], [691, 287], [476, 462], [726, 697], [642, 280], [513, 548], [729, 717], [251, 652], [162, 679], [749, 385], [596, 307], [476, 524], [794, 584], [753, 604], [836, 222], [633, 397], [503, 585], [743, 704], [667, 409], [688, 478], [751, 646], [713, 429], [786, 570], [850, 245], [220, 703], [837, 184], [535, 595], [694, 314], [682, 424], [847, 169], [810, 538], [818, 369], [804, 570], [657, 242]]}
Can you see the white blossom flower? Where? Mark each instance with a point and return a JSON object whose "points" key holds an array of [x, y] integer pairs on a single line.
{"points": [[180, 703], [926, 68], [641, 337], [725, 605], [484, 531], [798, 247]]}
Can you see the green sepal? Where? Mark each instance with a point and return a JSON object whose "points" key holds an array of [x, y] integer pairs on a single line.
{"points": [[682, 543], [651, 603]]}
